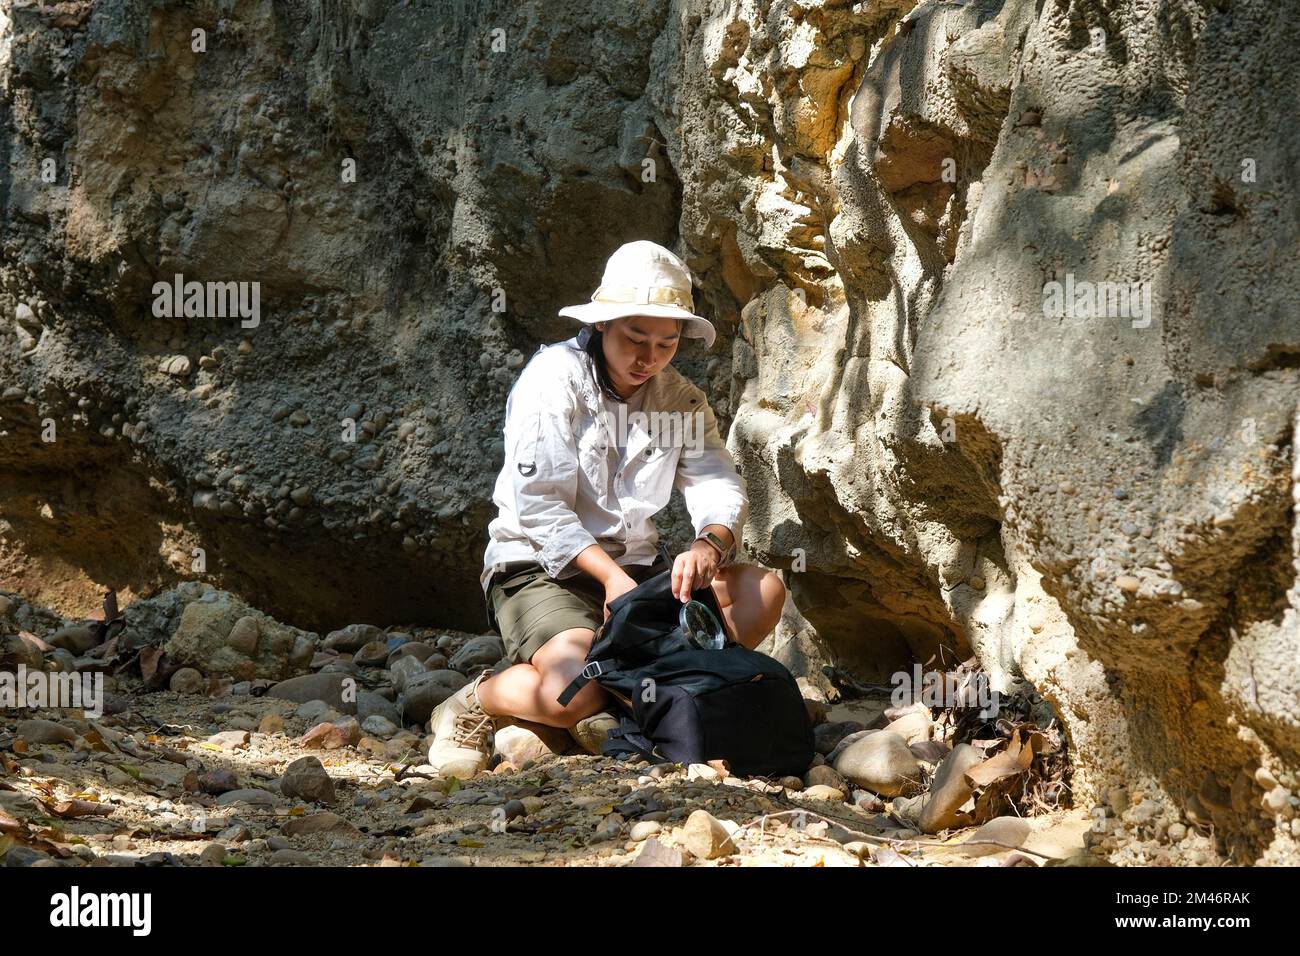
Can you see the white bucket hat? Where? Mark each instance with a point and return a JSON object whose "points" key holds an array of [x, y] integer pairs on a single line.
{"points": [[644, 278]]}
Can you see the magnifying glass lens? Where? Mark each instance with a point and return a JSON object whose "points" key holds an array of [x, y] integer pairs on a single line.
{"points": [[702, 627]]}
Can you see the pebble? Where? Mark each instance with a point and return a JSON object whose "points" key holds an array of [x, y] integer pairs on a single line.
{"points": [[230, 739], [821, 791], [654, 853], [290, 857], [824, 775], [880, 762], [350, 639], [533, 804], [644, 829], [217, 782], [251, 795], [403, 669], [485, 649], [379, 726], [214, 854], [271, 724], [913, 727], [332, 735], [313, 710], [374, 654], [424, 692], [1276, 799], [705, 836], [77, 639], [175, 365], [243, 635], [306, 779], [45, 732]]}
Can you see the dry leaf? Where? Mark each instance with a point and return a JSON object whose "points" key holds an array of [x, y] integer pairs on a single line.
{"points": [[1014, 760], [888, 856], [150, 657], [78, 808]]}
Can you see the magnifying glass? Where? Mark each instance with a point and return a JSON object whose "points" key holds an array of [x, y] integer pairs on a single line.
{"points": [[701, 626]]}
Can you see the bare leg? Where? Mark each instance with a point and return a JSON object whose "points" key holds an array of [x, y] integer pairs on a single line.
{"points": [[529, 691], [751, 599]]}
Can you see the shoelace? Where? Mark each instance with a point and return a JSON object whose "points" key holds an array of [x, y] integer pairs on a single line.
{"points": [[472, 728]]}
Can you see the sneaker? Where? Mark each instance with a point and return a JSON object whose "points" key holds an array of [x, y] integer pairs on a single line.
{"points": [[592, 732], [461, 732]]}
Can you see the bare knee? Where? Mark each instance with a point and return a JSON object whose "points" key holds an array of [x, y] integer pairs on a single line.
{"points": [[592, 699], [772, 589], [559, 661], [751, 599]]}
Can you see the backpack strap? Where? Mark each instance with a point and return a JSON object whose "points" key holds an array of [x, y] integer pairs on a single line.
{"points": [[628, 737], [590, 672]]}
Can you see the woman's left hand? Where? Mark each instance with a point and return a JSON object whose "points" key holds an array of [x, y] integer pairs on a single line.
{"points": [[694, 569]]}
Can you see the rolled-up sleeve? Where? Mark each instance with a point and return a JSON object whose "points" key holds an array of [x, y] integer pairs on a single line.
{"points": [[544, 466], [714, 491]]}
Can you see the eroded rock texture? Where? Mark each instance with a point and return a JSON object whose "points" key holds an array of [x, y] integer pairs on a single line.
{"points": [[402, 303], [874, 197]]}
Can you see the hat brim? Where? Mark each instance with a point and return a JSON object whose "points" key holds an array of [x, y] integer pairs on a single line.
{"points": [[590, 313]]}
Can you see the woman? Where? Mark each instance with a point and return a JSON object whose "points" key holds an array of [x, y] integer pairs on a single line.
{"points": [[583, 476]]}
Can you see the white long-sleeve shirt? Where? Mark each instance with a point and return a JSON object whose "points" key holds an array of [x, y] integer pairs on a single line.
{"points": [[556, 495]]}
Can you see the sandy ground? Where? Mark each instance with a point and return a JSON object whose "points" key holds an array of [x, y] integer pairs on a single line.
{"points": [[145, 770]]}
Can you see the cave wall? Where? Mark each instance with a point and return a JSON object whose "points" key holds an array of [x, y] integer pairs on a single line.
{"points": [[1099, 505], [404, 300]]}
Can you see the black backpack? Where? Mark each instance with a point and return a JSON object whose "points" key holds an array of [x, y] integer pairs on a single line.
{"points": [[686, 705]]}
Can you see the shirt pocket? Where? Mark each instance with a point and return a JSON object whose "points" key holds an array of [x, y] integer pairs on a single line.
{"points": [[656, 468], [593, 454]]}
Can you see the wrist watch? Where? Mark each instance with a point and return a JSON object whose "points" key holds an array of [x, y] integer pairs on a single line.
{"points": [[725, 554]]}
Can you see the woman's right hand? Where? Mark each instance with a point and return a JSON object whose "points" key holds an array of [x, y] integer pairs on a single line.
{"points": [[617, 584]]}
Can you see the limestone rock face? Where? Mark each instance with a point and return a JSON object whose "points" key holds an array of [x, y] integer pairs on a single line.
{"points": [[416, 195], [1096, 497], [1005, 291]]}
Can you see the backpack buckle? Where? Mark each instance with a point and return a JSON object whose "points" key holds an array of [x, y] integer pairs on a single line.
{"points": [[590, 674]]}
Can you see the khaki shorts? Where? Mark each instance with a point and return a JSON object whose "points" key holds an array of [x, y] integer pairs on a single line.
{"points": [[528, 608]]}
